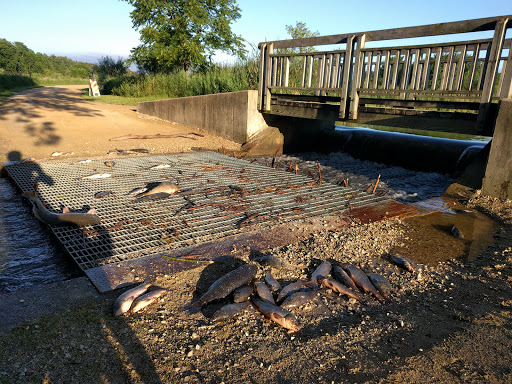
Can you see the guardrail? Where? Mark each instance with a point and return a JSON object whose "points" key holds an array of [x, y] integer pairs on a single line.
{"points": [[460, 74]]}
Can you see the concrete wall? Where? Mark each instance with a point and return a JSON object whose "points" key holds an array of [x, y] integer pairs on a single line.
{"points": [[498, 175], [231, 115]]}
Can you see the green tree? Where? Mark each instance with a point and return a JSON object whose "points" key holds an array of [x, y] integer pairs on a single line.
{"points": [[301, 31], [183, 34], [108, 67]]}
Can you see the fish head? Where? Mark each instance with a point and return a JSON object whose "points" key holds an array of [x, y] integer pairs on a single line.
{"points": [[288, 321]]}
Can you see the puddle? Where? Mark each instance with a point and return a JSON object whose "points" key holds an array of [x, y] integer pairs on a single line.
{"points": [[429, 235]]}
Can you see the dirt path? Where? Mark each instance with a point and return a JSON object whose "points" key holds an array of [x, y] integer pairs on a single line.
{"points": [[37, 122]]}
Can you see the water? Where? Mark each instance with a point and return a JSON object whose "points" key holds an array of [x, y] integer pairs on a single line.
{"points": [[28, 255]]}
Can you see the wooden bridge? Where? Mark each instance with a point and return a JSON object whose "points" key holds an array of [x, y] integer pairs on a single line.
{"points": [[457, 83]]}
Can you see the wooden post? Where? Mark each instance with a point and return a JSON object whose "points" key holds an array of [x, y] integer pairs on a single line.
{"points": [[506, 75], [268, 67], [347, 65], [358, 71], [490, 75], [286, 71], [261, 82]]}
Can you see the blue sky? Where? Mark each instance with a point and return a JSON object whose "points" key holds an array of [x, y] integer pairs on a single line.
{"points": [[95, 28]]}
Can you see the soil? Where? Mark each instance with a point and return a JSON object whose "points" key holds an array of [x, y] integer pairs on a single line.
{"points": [[40, 121], [446, 321]]}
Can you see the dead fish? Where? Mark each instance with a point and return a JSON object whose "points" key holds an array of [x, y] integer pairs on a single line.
{"points": [[340, 275], [381, 283], [338, 287], [457, 233], [83, 161], [155, 196], [109, 163], [299, 298], [225, 285], [139, 150], [289, 289], [242, 293], [125, 300], [324, 269], [274, 262], [137, 191], [60, 153], [277, 314], [27, 160], [272, 282], [164, 186], [263, 291], [94, 176], [402, 262], [159, 166], [146, 299], [229, 310], [99, 195], [361, 280], [64, 218]]}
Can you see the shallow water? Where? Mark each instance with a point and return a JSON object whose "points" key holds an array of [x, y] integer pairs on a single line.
{"points": [[28, 255], [431, 239]]}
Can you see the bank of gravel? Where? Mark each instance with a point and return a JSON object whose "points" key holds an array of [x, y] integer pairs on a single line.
{"points": [[446, 322]]}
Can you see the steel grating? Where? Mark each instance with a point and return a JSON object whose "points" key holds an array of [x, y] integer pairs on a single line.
{"points": [[219, 196]]}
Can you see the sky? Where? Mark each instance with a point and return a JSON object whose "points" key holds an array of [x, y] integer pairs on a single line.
{"points": [[86, 30]]}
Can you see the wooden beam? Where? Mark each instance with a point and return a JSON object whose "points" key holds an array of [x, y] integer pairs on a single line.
{"points": [[490, 75], [475, 25], [358, 71], [347, 66]]}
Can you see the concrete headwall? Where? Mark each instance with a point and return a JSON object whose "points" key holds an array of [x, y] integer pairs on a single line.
{"points": [[232, 115], [498, 175]]}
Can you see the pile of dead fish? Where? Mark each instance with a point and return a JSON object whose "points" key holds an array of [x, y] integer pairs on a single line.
{"points": [[275, 302], [133, 300]]}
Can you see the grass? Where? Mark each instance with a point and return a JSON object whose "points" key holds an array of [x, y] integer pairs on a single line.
{"points": [[118, 100]]}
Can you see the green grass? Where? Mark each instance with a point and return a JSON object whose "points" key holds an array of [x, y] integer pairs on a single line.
{"points": [[46, 81], [118, 100]]}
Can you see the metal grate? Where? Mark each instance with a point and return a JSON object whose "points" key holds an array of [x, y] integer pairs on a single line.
{"points": [[219, 196]]}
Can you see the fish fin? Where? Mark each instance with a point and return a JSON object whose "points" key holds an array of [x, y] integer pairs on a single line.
{"points": [[92, 211], [66, 210]]}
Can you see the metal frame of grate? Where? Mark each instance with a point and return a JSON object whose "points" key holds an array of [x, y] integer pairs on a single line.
{"points": [[219, 196]]}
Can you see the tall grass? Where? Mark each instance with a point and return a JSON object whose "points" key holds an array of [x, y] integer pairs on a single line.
{"points": [[220, 78]]}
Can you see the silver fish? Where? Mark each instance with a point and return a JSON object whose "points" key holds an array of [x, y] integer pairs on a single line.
{"points": [[289, 289], [272, 282], [99, 195], [146, 299], [159, 166], [64, 218], [338, 287], [342, 276], [229, 310], [402, 262], [381, 283], [225, 285], [277, 314], [137, 191], [274, 262], [164, 187], [323, 269], [125, 300], [263, 291], [299, 298], [94, 176], [242, 293]]}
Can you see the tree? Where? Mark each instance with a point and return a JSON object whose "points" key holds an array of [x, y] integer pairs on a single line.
{"points": [[108, 67], [300, 31], [183, 34]]}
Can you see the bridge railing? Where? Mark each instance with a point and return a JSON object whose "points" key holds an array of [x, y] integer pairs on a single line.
{"points": [[472, 73]]}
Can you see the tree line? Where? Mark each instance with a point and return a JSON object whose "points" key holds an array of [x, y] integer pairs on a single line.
{"points": [[17, 59]]}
